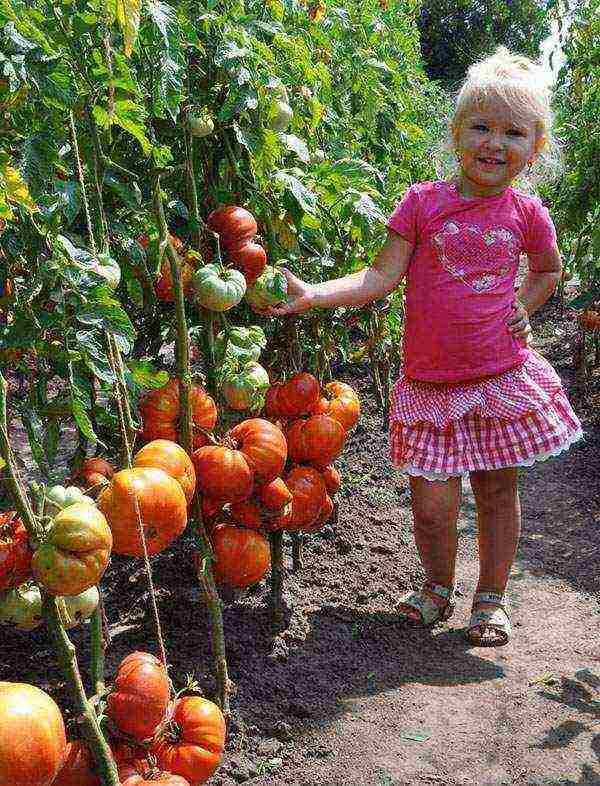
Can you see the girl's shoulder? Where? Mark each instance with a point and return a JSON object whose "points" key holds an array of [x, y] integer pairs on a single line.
{"points": [[529, 205], [433, 187], [531, 201], [430, 192]]}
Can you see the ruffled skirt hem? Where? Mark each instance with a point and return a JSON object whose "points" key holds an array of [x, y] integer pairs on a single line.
{"points": [[513, 420]]}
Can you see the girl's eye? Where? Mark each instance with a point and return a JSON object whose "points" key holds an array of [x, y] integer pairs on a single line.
{"points": [[480, 127], [515, 132]]}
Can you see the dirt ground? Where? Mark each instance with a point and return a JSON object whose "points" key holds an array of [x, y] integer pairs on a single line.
{"points": [[345, 695]]}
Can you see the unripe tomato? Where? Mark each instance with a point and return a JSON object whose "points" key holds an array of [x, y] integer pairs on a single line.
{"points": [[216, 289], [201, 125]]}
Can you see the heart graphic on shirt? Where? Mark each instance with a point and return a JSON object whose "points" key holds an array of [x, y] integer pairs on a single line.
{"points": [[478, 257]]}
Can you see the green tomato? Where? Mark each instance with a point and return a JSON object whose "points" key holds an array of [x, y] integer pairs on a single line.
{"points": [[21, 607], [269, 289], [79, 607], [241, 342], [201, 125], [246, 388], [60, 497], [218, 290], [282, 117], [108, 269]]}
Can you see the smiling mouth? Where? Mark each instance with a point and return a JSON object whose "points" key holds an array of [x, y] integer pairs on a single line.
{"points": [[497, 161]]}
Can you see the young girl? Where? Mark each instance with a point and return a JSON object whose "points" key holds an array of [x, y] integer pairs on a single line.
{"points": [[472, 396]]}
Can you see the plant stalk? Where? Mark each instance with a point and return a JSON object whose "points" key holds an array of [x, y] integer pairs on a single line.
{"points": [[186, 436], [65, 650], [68, 662]]}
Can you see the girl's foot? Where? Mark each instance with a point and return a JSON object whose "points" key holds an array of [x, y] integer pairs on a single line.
{"points": [[432, 604], [490, 624]]}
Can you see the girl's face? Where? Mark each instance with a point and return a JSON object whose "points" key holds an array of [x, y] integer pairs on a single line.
{"points": [[493, 147]]}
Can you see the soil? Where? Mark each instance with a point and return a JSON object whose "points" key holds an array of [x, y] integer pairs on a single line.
{"points": [[342, 694]]}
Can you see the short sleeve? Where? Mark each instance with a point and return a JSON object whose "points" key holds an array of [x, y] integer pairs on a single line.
{"points": [[404, 219], [542, 234]]}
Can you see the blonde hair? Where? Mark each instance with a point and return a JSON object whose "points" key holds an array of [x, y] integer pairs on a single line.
{"points": [[524, 86]]}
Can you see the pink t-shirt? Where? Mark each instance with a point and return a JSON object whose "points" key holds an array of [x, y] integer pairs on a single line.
{"points": [[461, 278]]}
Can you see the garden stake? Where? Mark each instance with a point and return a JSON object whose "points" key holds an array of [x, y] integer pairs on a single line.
{"points": [[201, 231], [65, 650], [205, 574], [129, 427], [121, 410]]}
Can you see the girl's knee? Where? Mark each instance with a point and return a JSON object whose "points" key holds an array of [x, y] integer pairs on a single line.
{"points": [[495, 488]]}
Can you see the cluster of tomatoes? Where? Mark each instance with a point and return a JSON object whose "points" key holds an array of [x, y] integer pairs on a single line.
{"points": [[265, 474], [152, 738], [214, 286]]}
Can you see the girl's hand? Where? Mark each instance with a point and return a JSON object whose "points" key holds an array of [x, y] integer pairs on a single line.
{"points": [[300, 297], [518, 323]]}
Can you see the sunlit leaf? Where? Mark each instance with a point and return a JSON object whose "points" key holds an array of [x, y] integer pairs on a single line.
{"points": [[127, 14]]}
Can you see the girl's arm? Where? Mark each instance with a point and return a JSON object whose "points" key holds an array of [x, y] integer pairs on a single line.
{"points": [[356, 289], [537, 286]]}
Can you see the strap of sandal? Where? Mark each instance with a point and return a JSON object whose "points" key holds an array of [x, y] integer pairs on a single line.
{"points": [[490, 597], [429, 610], [438, 589]]}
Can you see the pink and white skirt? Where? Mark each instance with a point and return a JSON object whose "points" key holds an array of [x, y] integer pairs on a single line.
{"points": [[513, 420]]}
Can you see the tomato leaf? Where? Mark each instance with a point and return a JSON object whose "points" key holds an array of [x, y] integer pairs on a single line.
{"points": [[127, 13], [144, 374], [305, 198], [297, 146]]}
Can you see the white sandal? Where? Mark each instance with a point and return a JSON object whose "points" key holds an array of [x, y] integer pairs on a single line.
{"points": [[497, 618], [430, 611]]}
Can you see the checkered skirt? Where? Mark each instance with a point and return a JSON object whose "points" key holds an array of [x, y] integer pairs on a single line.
{"points": [[513, 419]]}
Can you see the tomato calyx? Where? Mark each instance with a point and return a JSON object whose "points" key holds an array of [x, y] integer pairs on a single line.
{"points": [[171, 731]]}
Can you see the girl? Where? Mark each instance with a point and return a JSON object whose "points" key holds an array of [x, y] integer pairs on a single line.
{"points": [[472, 396]]}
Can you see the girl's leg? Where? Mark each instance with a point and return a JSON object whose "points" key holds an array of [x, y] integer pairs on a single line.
{"points": [[499, 520], [435, 506]]}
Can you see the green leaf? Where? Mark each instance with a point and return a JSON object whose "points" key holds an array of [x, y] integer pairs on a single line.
{"points": [[35, 435], [367, 209], [109, 315], [145, 375], [589, 296], [135, 291], [128, 19], [229, 50], [130, 195], [131, 117], [51, 441], [69, 193], [305, 198], [297, 146], [84, 424], [92, 347]]}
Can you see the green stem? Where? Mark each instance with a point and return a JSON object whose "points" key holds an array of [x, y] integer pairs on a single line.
{"points": [[64, 648], [98, 647], [68, 662], [123, 398], [186, 435], [201, 231], [22, 504], [217, 632]]}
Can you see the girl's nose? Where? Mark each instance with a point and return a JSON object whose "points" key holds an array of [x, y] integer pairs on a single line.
{"points": [[495, 140]]}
